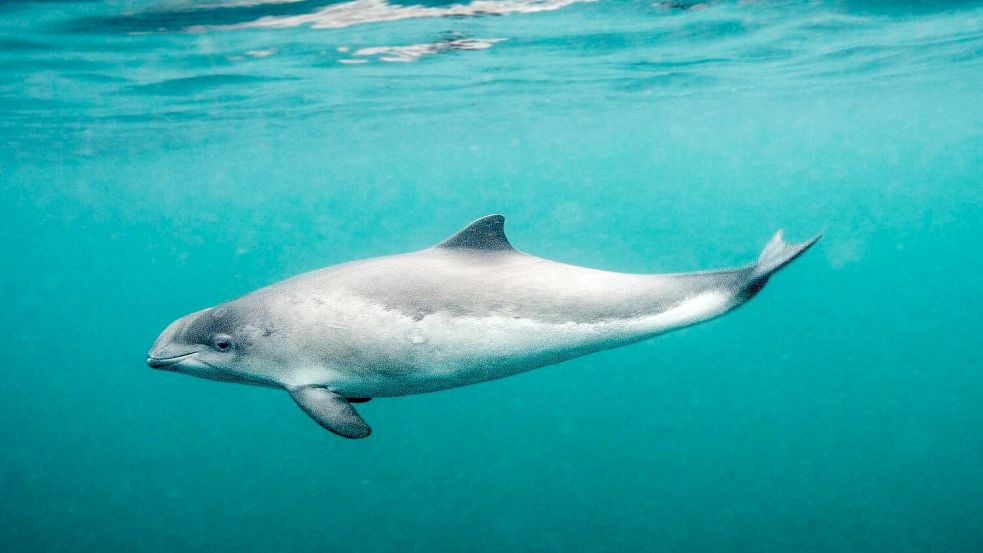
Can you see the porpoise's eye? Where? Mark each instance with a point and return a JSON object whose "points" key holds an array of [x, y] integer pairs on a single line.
{"points": [[222, 342]]}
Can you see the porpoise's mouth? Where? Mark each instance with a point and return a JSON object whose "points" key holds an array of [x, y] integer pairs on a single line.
{"points": [[162, 362]]}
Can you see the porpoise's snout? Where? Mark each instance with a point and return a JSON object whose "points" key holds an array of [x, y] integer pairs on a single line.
{"points": [[163, 362], [171, 348]]}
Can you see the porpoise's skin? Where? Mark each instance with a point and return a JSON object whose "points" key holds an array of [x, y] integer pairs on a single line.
{"points": [[468, 310]]}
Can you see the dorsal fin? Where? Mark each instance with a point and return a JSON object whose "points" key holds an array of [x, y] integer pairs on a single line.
{"points": [[486, 234]]}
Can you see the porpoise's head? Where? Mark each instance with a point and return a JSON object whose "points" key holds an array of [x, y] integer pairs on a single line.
{"points": [[220, 343]]}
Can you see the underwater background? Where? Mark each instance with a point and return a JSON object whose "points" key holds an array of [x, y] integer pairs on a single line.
{"points": [[158, 158]]}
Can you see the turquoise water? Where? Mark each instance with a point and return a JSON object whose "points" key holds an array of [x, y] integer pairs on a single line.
{"points": [[160, 158]]}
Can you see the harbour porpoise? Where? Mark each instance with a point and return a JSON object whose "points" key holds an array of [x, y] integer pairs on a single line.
{"points": [[470, 309]]}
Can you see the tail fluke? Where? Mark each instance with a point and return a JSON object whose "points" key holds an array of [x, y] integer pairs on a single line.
{"points": [[777, 254]]}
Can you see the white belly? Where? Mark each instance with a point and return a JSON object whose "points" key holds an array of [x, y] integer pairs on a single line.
{"points": [[401, 356]]}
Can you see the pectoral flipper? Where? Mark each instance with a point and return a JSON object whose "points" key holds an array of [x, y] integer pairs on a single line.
{"points": [[331, 411]]}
